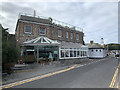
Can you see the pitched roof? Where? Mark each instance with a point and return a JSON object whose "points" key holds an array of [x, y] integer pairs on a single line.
{"points": [[95, 46]]}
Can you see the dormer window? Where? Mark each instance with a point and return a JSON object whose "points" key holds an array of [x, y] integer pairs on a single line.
{"points": [[28, 29]]}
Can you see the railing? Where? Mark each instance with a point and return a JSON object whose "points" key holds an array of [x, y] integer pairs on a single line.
{"points": [[57, 22]]}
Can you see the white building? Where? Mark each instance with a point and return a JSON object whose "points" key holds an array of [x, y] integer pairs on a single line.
{"points": [[69, 50], [96, 51]]}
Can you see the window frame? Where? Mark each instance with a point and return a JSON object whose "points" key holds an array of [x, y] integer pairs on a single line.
{"points": [[25, 29], [71, 34], [77, 36], [59, 33], [45, 31], [67, 35]]}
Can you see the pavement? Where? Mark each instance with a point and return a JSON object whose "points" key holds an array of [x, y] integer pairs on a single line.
{"points": [[96, 74], [25, 71]]}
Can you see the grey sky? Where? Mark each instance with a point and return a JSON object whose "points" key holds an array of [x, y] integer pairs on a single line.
{"points": [[98, 19]]}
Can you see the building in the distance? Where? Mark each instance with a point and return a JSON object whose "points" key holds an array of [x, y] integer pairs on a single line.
{"points": [[40, 37], [96, 50]]}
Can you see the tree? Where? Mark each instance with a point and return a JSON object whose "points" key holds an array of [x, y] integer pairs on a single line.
{"points": [[50, 19], [113, 46], [10, 53]]}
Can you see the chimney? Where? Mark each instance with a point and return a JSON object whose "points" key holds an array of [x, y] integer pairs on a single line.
{"points": [[91, 42], [34, 13]]}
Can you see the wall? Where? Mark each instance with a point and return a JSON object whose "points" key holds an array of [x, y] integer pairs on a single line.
{"points": [[74, 61], [97, 54], [51, 31]]}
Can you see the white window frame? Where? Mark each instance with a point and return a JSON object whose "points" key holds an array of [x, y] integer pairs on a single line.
{"points": [[59, 33], [71, 35], [25, 29], [77, 37], [67, 35], [73, 49], [45, 31]]}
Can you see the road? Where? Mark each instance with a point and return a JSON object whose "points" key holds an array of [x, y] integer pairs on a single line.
{"points": [[95, 75]]}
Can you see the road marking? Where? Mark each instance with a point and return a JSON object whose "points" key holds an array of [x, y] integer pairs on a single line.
{"points": [[43, 76], [114, 78], [36, 78], [80, 65]]}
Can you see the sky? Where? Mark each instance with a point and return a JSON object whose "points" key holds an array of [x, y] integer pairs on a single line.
{"points": [[98, 19]]}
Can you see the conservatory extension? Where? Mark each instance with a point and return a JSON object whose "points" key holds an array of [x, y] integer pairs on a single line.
{"points": [[43, 47]]}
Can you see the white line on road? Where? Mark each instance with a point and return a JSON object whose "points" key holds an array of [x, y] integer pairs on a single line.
{"points": [[80, 65]]}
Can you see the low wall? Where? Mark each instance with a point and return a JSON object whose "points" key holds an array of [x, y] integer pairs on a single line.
{"points": [[73, 61]]}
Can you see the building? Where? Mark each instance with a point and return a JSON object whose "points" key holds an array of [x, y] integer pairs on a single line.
{"points": [[40, 37], [95, 50]]}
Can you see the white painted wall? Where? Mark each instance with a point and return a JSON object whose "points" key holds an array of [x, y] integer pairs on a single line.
{"points": [[97, 54]]}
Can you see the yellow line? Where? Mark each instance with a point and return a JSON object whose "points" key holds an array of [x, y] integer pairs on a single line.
{"points": [[114, 78], [36, 78]]}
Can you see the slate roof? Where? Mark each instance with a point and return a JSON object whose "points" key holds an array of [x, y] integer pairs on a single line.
{"points": [[95, 46]]}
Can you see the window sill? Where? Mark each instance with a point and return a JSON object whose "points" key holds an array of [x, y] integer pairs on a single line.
{"points": [[27, 33]]}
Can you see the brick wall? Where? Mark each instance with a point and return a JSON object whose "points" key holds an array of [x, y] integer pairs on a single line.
{"points": [[51, 32]]}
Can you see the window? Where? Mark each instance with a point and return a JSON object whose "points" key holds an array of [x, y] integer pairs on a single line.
{"points": [[92, 50], [66, 34], [66, 53], [77, 37], [85, 53], [42, 31], [96, 50], [74, 53], [71, 53], [28, 29], [71, 36], [59, 33], [78, 53], [100, 50], [62, 53], [81, 53]]}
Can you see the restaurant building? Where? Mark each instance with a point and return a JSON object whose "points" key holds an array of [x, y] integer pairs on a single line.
{"points": [[41, 37]]}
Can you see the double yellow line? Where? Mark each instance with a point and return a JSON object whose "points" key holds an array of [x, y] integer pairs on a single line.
{"points": [[36, 78], [114, 78]]}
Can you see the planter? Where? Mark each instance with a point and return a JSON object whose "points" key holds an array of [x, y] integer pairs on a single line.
{"points": [[8, 67]]}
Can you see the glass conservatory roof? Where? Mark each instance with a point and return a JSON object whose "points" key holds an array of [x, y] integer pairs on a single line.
{"points": [[41, 40]]}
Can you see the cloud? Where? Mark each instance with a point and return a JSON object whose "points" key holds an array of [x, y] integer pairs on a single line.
{"points": [[98, 19]]}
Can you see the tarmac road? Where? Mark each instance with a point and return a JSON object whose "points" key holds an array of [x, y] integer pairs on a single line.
{"points": [[94, 75]]}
